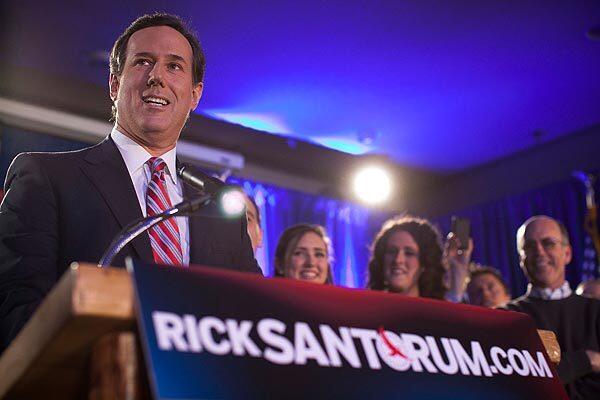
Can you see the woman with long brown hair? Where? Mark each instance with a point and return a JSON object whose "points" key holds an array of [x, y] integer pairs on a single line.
{"points": [[407, 258], [304, 253]]}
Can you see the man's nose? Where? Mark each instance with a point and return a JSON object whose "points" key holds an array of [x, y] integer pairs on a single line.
{"points": [[155, 76], [538, 248]]}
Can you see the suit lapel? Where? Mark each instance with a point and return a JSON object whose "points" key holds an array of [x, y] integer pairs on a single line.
{"points": [[106, 169], [198, 239]]}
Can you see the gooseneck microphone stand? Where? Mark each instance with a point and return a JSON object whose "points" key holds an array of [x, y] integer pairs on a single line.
{"points": [[207, 186], [134, 229]]}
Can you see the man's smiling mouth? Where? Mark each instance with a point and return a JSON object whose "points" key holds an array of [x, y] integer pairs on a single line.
{"points": [[155, 100]]}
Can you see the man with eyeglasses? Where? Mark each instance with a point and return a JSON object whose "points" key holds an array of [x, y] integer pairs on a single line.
{"points": [[544, 251]]}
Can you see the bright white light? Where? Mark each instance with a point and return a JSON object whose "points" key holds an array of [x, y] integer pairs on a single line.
{"points": [[233, 202], [372, 185]]}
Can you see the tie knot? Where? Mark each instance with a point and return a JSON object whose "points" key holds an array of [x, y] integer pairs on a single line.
{"points": [[157, 165]]}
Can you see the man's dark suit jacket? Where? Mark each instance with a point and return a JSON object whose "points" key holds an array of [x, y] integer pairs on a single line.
{"points": [[65, 207]]}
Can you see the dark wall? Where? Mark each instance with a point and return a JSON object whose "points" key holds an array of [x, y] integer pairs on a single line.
{"points": [[535, 168], [14, 141]]}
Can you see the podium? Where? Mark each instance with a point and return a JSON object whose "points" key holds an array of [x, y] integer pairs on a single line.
{"points": [[89, 309], [81, 342]]}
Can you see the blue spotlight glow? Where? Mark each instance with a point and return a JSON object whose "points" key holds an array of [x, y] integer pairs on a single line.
{"points": [[344, 145], [261, 122]]}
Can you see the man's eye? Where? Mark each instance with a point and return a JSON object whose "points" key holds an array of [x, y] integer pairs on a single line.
{"points": [[142, 61], [529, 246], [175, 66], [320, 255]]}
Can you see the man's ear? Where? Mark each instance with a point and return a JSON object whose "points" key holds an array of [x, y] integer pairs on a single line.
{"points": [[521, 252], [260, 238], [196, 95], [568, 254], [113, 86], [523, 266]]}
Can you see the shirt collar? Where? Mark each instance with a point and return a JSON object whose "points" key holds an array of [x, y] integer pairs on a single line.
{"points": [[549, 294], [135, 156]]}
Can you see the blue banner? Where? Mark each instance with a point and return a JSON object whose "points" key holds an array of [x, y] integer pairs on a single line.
{"points": [[210, 333]]}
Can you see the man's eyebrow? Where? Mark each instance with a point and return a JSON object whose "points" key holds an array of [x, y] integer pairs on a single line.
{"points": [[143, 54], [176, 57], [543, 238], [170, 56]]}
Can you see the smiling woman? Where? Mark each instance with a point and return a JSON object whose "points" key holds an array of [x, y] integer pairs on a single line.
{"points": [[304, 253], [406, 258]]}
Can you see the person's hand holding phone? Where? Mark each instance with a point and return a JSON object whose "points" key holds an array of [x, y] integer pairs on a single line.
{"points": [[457, 253]]}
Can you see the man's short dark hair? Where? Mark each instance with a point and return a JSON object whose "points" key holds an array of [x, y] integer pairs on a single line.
{"points": [[118, 53], [479, 270], [251, 199]]}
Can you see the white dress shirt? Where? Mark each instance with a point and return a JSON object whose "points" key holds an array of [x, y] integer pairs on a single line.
{"points": [[559, 293], [135, 157]]}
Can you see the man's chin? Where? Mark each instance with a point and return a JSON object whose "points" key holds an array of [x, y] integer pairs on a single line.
{"points": [[542, 273], [545, 280], [154, 126], [159, 132]]}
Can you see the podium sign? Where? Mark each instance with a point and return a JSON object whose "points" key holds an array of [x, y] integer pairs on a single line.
{"points": [[211, 333]]}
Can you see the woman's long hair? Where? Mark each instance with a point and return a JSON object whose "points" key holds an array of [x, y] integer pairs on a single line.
{"points": [[428, 238], [290, 238]]}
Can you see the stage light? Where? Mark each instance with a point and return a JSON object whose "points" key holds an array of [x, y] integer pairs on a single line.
{"points": [[373, 185], [232, 202]]}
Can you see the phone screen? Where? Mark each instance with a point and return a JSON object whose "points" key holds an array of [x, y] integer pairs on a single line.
{"points": [[461, 227]]}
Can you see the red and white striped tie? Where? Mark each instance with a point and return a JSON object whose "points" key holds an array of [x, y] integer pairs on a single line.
{"points": [[164, 236]]}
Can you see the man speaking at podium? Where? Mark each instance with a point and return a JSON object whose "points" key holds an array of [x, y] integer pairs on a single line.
{"points": [[65, 207]]}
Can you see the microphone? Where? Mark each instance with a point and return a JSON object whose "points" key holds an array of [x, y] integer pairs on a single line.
{"points": [[135, 228], [229, 197], [208, 187], [198, 179]]}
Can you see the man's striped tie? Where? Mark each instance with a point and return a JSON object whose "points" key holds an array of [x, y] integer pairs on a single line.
{"points": [[164, 237]]}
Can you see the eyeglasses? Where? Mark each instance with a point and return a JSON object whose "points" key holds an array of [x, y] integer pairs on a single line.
{"points": [[547, 243]]}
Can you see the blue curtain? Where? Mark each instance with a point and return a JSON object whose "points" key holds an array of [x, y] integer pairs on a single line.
{"points": [[494, 226], [348, 225]]}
